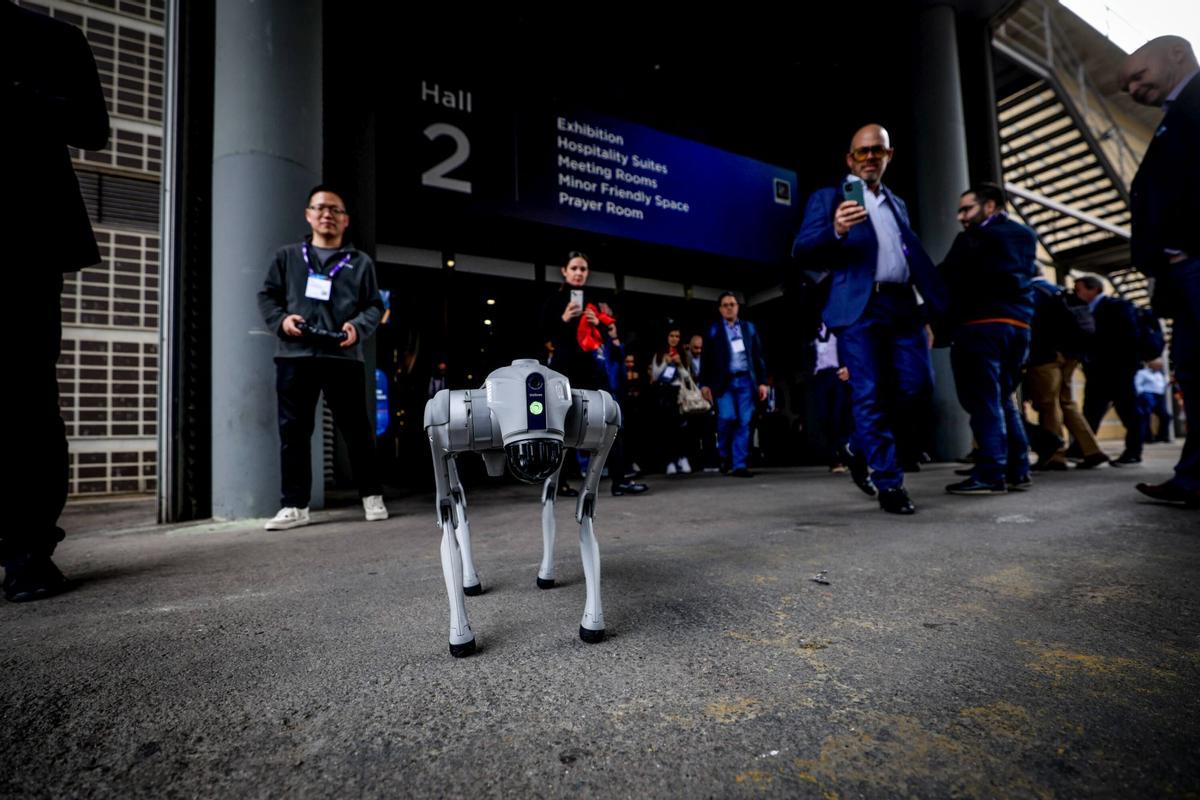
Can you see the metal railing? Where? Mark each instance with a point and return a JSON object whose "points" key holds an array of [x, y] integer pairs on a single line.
{"points": [[1034, 32]]}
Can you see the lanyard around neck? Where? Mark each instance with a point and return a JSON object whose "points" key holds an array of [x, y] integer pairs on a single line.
{"points": [[336, 269]]}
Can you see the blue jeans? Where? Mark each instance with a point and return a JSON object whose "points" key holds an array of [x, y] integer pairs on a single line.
{"points": [[890, 372], [1151, 405], [987, 361], [735, 409]]}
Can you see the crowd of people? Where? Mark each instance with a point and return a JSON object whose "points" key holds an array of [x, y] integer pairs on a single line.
{"points": [[684, 405], [887, 303]]}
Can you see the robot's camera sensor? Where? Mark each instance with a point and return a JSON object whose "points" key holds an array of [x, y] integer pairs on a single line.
{"points": [[535, 381], [534, 460]]}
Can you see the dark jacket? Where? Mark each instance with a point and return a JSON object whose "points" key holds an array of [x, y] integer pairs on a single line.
{"points": [[51, 95], [1163, 200], [583, 369], [989, 272], [1114, 347], [1055, 328], [354, 298], [851, 259], [714, 366]]}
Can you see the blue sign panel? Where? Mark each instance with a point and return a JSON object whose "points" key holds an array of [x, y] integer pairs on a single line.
{"points": [[608, 176]]}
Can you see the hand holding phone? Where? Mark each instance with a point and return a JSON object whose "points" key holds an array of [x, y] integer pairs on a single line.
{"points": [[854, 190], [852, 210]]}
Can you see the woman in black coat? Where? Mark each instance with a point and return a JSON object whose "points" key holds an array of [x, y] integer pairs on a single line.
{"points": [[580, 333]]}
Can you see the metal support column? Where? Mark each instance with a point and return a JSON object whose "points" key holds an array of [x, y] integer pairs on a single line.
{"points": [[941, 155], [267, 131]]}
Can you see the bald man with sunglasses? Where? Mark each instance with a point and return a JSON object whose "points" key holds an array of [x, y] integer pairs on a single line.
{"points": [[1165, 73], [877, 267]]}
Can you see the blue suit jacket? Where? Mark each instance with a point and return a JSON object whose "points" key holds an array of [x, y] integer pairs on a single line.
{"points": [[714, 369], [851, 259]]}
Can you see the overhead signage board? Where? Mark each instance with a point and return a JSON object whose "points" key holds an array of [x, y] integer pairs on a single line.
{"points": [[587, 171]]}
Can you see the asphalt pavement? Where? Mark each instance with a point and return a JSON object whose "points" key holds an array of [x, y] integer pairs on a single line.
{"points": [[779, 636]]}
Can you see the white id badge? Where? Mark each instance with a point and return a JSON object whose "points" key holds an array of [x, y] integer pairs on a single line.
{"points": [[668, 374], [738, 345], [319, 287]]}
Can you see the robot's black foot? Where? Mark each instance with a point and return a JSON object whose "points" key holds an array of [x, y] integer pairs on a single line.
{"points": [[589, 636], [465, 649], [472, 591], [545, 583]]}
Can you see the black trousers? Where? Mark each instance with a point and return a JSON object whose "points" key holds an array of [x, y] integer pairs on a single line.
{"points": [[38, 438], [1116, 389], [830, 397], [298, 383]]}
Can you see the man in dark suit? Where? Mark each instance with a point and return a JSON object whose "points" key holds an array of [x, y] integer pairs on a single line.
{"points": [[1166, 238], [1112, 363], [989, 272], [732, 375], [50, 92], [872, 307]]}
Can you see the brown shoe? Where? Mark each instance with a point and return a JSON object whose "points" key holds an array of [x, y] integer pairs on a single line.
{"points": [[1170, 493], [1094, 460]]}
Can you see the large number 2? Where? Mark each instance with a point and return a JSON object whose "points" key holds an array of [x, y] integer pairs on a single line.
{"points": [[436, 175]]}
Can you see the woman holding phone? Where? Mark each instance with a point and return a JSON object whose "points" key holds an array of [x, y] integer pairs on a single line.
{"points": [[580, 333], [666, 371]]}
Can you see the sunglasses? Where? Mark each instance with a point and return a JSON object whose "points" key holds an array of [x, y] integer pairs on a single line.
{"points": [[861, 154]]}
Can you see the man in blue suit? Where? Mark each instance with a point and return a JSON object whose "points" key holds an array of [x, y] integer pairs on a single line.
{"points": [[732, 374], [876, 263], [1166, 239], [989, 272]]}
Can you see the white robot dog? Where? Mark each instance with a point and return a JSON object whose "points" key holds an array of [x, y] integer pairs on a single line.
{"points": [[525, 415]]}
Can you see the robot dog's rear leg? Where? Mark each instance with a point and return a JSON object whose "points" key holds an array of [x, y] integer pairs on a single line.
{"points": [[545, 578], [591, 629], [462, 638], [471, 584]]}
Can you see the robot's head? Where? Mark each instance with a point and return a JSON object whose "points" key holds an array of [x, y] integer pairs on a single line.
{"points": [[529, 403], [534, 460]]}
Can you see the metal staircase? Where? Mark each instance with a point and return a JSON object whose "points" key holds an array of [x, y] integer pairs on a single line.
{"points": [[1066, 163]]}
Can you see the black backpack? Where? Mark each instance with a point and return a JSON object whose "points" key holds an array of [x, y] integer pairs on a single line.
{"points": [[1072, 326], [1150, 339], [807, 292]]}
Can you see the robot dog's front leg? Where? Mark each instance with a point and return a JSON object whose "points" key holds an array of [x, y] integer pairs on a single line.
{"points": [[470, 579], [462, 638], [545, 578]]}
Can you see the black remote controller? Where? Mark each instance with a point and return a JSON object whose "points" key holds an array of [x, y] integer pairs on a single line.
{"points": [[321, 335]]}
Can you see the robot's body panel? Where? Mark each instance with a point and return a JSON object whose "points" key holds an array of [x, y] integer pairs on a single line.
{"points": [[525, 415]]}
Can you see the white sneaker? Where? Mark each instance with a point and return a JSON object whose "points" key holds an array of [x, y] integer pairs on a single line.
{"points": [[374, 508], [684, 466], [288, 517], [671, 468]]}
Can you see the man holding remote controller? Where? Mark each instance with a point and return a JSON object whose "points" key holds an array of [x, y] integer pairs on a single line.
{"points": [[322, 299]]}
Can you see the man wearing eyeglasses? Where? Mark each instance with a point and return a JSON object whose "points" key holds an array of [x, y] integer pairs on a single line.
{"points": [[1164, 72], [876, 264], [989, 272], [321, 299], [734, 374]]}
